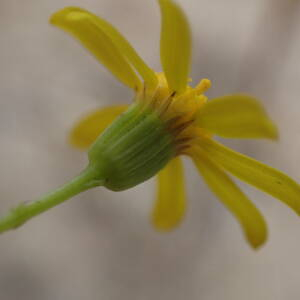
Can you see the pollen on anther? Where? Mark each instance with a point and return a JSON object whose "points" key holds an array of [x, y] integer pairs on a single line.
{"points": [[203, 86]]}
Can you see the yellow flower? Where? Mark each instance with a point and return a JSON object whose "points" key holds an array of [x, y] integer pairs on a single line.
{"points": [[167, 118], [190, 118]]}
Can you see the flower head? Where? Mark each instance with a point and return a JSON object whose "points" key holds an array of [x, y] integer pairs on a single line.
{"points": [[167, 118]]}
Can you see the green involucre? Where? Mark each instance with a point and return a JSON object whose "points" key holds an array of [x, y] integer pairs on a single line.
{"points": [[133, 149]]}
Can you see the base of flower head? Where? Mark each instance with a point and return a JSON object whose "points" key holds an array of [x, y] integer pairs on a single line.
{"points": [[133, 149]]}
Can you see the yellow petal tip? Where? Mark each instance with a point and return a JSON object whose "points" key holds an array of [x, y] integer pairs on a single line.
{"points": [[164, 226], [256, 242], [57, 17]]}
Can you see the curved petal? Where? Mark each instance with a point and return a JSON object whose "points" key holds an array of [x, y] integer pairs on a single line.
{"points": [[234, 199], [255, 173], [175, 45], [84, 26], [170, 204], [89, 127], [236, 116]]}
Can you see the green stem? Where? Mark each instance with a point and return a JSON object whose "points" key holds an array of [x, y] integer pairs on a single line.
{"points": [[89, 178]]}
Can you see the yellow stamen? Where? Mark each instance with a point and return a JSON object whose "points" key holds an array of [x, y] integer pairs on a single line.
{"points": [[177, 111], [203, 86]]}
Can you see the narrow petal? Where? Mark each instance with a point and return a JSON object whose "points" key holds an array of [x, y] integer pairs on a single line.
{"points": [[255, 173], [128, 51], [92, 125], [233, 198], [175, 45], [123, 46], [170, 205], [236, 116], [84, 26]]}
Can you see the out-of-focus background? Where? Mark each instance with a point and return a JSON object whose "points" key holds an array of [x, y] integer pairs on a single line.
{"points": [[100, 245]]}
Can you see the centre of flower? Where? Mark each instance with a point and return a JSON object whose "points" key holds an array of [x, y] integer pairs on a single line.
{"points": [[177, 111]]}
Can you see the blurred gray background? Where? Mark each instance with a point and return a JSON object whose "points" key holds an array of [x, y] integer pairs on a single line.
{"points": [[100, 245]]}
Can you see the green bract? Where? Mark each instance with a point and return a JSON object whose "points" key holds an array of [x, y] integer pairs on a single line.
{"points": [[132, 149]]}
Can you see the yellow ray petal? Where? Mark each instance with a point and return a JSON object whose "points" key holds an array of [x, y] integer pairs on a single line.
{"points": [[170, 205], [85, 27], [236, 116], [255, 173], [89, 128], [233, 198], [123, 46], [128, 51], [175, 45]]}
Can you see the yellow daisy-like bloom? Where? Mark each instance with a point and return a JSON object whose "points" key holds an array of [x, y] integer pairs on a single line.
{"points": [[168, 118], [190, 119]]}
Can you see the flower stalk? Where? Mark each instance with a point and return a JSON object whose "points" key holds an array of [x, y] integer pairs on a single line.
{"points": [[87, 179]]}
